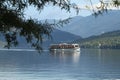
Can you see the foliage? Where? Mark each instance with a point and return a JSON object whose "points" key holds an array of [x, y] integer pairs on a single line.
{"points": [[103, 6], [107, 40], [14, 24]]}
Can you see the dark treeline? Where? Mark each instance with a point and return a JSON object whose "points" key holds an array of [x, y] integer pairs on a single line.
{"points": [[110, 40]]}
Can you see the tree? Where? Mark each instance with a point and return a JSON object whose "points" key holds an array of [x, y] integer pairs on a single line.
{"points": [[104, 6], [13, 22]]}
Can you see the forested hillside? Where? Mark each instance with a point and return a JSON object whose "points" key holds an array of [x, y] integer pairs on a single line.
{"points": [[106, 40], [2, 44]]}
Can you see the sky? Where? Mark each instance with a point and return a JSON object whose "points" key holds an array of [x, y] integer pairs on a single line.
{"points": [[54, 12]]}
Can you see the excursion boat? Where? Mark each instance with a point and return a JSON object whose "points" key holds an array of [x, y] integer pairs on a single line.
{"points": [[64, 47]]}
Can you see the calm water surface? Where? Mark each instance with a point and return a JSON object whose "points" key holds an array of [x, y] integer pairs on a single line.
{"points": [[89, 64]]}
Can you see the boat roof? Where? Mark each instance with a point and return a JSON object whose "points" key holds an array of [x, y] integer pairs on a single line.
{"points": [[64, 44]]}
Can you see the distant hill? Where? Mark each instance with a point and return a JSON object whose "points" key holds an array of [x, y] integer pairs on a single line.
{"points": [[60, 37], [106, 40], [57, 37], [91, 25]]}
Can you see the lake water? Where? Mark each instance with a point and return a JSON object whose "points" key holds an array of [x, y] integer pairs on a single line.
{"points": [[88, 64]]}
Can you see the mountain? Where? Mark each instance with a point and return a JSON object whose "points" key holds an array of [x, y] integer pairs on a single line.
{"points": [[63, 36], [91, 25], [106, 40], [60, 36], [57, 37]]}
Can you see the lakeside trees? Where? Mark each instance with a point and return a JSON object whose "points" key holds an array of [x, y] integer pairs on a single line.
{"points": [[110, 40], [13, 22]]}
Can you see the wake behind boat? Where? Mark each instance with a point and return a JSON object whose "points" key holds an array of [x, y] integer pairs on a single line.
{"points": [[64, 47]]}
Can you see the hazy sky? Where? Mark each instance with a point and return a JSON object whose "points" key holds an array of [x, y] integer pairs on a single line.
{"points": [[53, 12]]}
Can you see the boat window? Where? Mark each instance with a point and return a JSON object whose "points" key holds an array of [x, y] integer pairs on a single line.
{"points": [[76, 46]]}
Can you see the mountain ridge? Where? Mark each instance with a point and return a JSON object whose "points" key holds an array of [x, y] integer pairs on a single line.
{"points": [[57, 37], [60, 37], [109, 40], [91, 25]]}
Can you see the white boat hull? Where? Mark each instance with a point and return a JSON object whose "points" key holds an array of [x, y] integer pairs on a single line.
{"points": [[73, 49], [64, 47]]}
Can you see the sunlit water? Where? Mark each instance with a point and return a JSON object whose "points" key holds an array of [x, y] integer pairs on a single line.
{"points": [[88, 64]]}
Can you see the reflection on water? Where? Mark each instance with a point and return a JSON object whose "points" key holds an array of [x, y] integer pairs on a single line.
{"points": [[64, 55], [101, 63], [89, 64]]}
